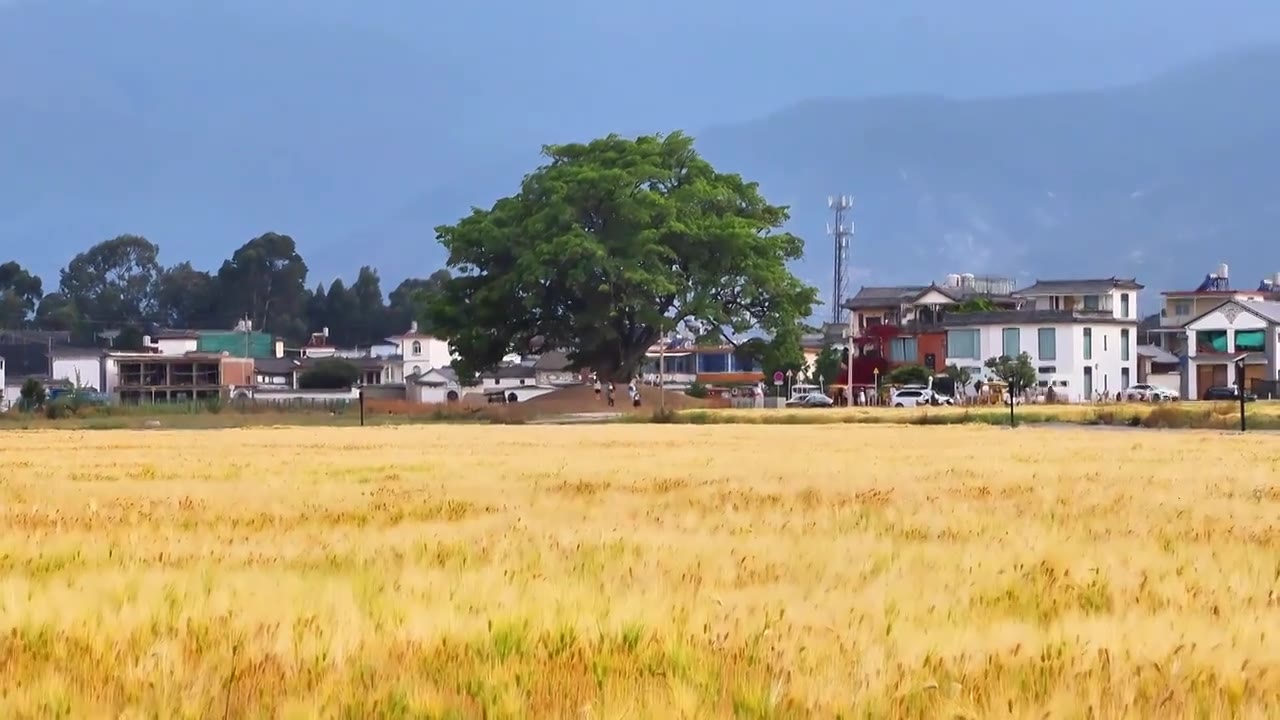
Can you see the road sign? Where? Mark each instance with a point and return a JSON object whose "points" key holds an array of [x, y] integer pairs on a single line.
{"points": [[778, 377]]}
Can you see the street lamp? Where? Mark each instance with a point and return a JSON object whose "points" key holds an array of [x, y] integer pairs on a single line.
{"points": [[1239, 362]]}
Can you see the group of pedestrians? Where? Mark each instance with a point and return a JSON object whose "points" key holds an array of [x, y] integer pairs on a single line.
{"points": [[607, 389]]}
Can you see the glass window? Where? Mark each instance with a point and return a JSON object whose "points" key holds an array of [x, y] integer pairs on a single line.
{"points": [[716, 362], [963, 344], [1124, 345], [1011, 342], [1090, 302], [1181, 307], [903, 350], [1088, 343], [1048, 342], [1124, 305], [1251, 340]]}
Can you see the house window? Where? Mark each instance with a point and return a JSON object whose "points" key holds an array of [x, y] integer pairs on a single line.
{"points": [[1011, 342], [1211, 341], [1047, 369], [1124, 346], [903, 350], [963, 344], [417, 348], [1104, 342], [1124, 305], [1182, 307], [1251, 340], [417, 369], [713, 363], [1124, 378], [1048, 343], [1088, 343], [1091, 302]]}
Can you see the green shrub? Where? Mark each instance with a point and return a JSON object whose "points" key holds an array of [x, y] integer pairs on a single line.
{"points": [[329, 374], [697, 390]]}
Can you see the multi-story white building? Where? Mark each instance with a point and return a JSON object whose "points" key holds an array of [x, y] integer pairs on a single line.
{"points": [[1081, 336], [418, 353]]}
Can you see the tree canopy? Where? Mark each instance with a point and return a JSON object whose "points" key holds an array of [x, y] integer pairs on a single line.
{"points": [[607, 246], [119, 285], [1016, 372]]}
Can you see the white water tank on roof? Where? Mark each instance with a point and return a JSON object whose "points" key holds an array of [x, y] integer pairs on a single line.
{"points": [[1222, 270], [953, 280], [967, 280], [1276, 281]]}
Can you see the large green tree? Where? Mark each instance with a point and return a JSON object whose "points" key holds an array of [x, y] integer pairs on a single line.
{"points": [[20, 294], [412, 300], [265, 280], [608, 242], [188, 298], [114, 282]]}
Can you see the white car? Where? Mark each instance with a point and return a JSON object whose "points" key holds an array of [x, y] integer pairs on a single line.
{"points": [[1149, 393], [913, 395], [910, 397], [813, 399]]}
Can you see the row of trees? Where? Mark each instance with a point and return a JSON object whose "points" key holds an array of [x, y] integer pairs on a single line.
{"points": [[120, 285]]}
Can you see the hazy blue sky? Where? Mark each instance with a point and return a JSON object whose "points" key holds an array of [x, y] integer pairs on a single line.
{"points": [[365, 122]]}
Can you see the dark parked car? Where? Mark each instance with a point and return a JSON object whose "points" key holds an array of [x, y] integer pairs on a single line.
{"points": [[1226, 392]]}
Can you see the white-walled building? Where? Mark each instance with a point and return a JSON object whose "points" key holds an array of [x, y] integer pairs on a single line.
{"points": [[438, 385], [1081, 336], [418, 353], [82, 367]]}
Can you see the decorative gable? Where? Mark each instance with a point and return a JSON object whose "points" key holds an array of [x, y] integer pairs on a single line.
{"points": [[1229, 316], [933, 297]]}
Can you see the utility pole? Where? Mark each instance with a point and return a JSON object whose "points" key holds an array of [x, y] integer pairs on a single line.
{"points": [[662, 368], [841, 232]]}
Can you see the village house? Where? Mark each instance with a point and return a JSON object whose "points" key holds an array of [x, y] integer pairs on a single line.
{"points": [[437, 385], [146, 377], [416, 353], [1235, 330], [1081, 336], [1208, 328], [903, 323]]}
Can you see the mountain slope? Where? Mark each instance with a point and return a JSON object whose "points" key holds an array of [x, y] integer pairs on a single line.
{"points": [[1159, 179]]}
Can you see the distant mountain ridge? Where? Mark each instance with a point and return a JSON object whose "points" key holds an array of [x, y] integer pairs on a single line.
{"points": [[1159, 180], [201, 130]]}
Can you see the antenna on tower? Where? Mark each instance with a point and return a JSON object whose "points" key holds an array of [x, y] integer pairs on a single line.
{"points": [[841, 232]]}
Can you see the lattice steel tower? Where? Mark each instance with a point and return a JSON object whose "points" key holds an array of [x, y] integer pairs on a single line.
{"points": [[841, 232]]}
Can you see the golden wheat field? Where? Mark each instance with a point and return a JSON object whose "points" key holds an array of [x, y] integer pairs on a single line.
{"points": [[652, 571]]}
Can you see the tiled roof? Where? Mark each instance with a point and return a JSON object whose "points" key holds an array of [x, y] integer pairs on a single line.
{"points": [[510, 372], [552, 360], [1267, 309], [1156, 354], [882, 296], [1079, 287]]}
